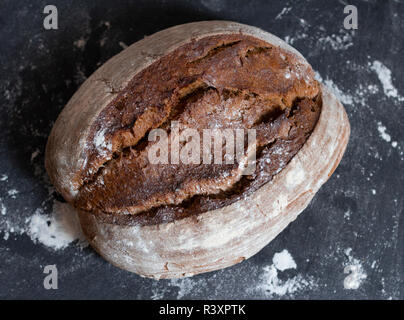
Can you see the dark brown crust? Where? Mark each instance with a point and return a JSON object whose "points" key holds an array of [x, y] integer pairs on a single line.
{"points": [[210, 71]]}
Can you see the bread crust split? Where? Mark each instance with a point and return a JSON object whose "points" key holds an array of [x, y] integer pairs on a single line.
{"points": [[213, 239]]}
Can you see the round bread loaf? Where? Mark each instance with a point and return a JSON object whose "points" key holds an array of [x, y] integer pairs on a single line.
{"points": [[176, 219]]}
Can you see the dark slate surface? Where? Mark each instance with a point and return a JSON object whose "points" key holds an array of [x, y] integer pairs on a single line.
{"points": [[40, 70]]}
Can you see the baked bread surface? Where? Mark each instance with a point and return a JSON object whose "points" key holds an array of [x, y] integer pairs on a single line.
{"points": [[178, 220], [217, 82]]}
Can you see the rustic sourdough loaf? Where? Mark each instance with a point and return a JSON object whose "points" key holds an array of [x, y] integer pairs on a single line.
{"points": [[174, 220]]}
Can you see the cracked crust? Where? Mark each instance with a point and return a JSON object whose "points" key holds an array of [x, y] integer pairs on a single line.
{"points": [[94, 130], [226, 82]]}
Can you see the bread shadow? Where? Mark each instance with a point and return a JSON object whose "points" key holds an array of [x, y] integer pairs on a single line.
{"points": [[60, 61]]}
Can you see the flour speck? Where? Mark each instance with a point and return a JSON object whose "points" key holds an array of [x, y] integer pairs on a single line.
{"points": [[13, 193], [272, 285], [355, 271], [382, 132], [283, 261], [385, 76], [101, 143], [58, 230], [34, 154], [80, 43], [3, 209]]}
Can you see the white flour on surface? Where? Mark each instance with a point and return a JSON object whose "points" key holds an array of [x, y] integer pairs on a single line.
{"points": [[13, 193], [341, 96], [80, 43], [283, 261], [264, 282], [272, 285], [100, 143], [384, 75], [3, 209], [382, 132], [321, 40], [123, 45], [185, 286], [58, 230], [361, 97], [283, 12], [337, 41], [35, 154], [384, 135], [8, 226], [214, 5], [356, 274]]}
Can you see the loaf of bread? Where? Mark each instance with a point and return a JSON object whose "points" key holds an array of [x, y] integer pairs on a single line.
{"points": [[176, 219]]}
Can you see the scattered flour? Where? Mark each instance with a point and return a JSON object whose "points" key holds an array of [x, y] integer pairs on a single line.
{"points": [[100, 142], [283, 12], [35, 154], [80, 75], [58, 230], [283, 261], [271, 284], [384, 75], [123, 45], [274, 286], [80, 43], [185, 286], [103, 41], [8, 226], [267, 283], [13, 193], [158, 293], [3, 209], [344, 98], [382, 132], [341, 96], [336, 42], [214, 5], [361, 96], [3, 177], [355, 270], [320, 40], [385, 136], [292, 40]]}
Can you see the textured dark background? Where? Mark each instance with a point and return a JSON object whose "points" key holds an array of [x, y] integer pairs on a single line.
{"points": [[40, 70]]}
